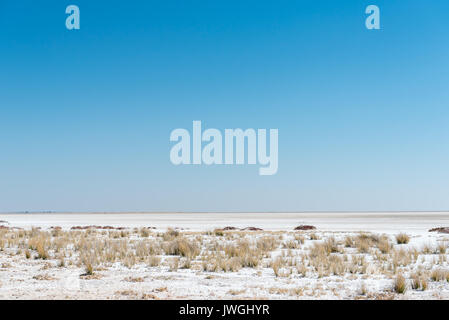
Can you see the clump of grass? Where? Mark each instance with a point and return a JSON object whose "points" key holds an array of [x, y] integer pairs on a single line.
{"points": [[88, 261], [419, 282], [291, 244], [442, 247], [300, 238], [364, 241], [233, 264], [402, 238], [330, 245], [427, 248], [362, 289], [349, 242], [314, 236], [336, 265], [245, 252], [88, 268], [267, 244], [439, 275], [384, 245], [39, 241], [323, 261], [186, 263], [153, 261], [357, 264], [363, 245], [400, 284], [276, 265], [401, 258], [61, 262], [174, 264], [129, 261], [372, 238], [41, 250], [146, 248], [182, 247], [144, 232], [301, 269], [170, 234], [318, 250]]}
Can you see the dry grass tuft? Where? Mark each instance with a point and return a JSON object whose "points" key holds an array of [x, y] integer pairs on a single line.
{"points": [[182, 247], [419, 282], [402, 238], [44, 277], [439, 275], [170, 234], [134, 279], [400, 284], [289, 254]]}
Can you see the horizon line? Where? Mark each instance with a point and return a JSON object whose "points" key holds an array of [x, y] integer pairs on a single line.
{"points": [[224, 211]]}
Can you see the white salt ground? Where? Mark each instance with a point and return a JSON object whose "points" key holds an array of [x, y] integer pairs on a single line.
{"points": [[22, 278]]}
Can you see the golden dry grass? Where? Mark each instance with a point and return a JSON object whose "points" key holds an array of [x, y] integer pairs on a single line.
{"points": [[402, 238], [400, 284], [290, 255]]}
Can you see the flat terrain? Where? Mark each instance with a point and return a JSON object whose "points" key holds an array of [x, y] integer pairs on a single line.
{"points": [[192, 256], [391, 222]]}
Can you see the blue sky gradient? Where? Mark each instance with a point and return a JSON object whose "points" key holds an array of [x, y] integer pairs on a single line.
{"points": [[85, 115]]}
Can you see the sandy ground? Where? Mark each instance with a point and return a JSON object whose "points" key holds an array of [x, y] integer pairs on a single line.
{"points": [[22, 278]]}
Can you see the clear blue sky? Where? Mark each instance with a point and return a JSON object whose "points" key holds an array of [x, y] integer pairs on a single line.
{"points": [[85, 116]]}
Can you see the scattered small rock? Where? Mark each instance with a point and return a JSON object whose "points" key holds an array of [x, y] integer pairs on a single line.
{"points": [[305, 227], [229, 228], [97, 227], [440, 230], [251, 229]]}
